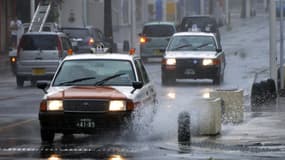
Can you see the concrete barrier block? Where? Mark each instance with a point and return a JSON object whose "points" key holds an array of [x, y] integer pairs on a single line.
{"points": [[233, 108], [210, 114]]}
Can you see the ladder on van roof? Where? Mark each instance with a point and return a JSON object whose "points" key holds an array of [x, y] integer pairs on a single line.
{"points": [[40, 16]]}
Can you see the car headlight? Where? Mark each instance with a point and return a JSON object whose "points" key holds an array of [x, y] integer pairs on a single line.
{"points": [[54, 105], [171, 61], [207, 62], [117, 105]]}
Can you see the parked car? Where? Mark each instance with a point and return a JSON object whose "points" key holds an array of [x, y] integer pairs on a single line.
{"points": [[154, 38], [201, 23], [39, 54], [194, 55], [85, 38], [94, 92]]}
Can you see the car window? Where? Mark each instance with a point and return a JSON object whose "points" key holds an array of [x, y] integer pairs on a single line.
{"points": [[76, 32], [204, 24], [39, 42], [192, 43], [142, 73], [158, 30], [99, 69], [66, 43]]}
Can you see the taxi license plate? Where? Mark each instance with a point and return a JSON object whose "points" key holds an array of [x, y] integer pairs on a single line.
{"points": [[189, 72], [85, 123], [38, 71], [157, 52]]}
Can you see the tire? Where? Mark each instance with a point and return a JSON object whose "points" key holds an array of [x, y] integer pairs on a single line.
{"points": [[167, 80], [184, 130], [20, 82], [47, 136], [33, 83], [219, 78]]}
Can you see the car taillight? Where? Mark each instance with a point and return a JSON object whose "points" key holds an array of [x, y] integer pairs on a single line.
{"points": [[43, 106], [91, 41], [143, 40], [13, 60], [59, 47]]}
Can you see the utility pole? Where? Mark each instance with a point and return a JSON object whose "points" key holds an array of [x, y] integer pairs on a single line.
{"points": [[211, 8], [202, 7], [133, 23], [272, 41], [32, 9], [281, 46], [108, 28]]}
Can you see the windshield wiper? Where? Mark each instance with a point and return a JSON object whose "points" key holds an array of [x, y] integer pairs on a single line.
{"points": [[183, 46], [101, 82], [76, 80], [201, 46]]}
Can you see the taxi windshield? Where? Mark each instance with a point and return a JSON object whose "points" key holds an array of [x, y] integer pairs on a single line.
{"points": [[92, 72], [192, 43]]}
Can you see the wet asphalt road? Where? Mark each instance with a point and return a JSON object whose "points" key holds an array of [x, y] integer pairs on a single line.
{"points": [[259, 136]]}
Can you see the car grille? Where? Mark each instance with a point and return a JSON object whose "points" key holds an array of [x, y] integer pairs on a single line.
{"points": [[191, 62], [86, 105]]}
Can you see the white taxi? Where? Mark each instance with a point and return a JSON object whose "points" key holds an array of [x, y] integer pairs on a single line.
{"points": [[194, 55], [93, 92]]}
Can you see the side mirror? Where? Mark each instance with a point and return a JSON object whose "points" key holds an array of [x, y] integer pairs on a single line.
{"points": [[43, 86], [137, 85], [140, 34], [162, 50], [219, 50]]}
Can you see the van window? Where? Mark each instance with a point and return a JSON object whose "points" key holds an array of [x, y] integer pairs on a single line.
{"points": [[76, 32], [158, 30], [39, 42], [204, 24]]}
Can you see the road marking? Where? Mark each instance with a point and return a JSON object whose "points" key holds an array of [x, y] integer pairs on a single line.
{"points": [[15, 124]]}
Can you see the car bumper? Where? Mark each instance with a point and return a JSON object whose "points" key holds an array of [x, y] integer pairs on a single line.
{"points": [[60, 122], [203, 72], [151, 52]]}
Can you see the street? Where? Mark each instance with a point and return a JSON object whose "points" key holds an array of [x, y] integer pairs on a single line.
{"points": [[259, 136]]}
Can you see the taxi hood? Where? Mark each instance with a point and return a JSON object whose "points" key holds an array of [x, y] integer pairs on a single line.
{"points": [[191, 54], [86, 92]]}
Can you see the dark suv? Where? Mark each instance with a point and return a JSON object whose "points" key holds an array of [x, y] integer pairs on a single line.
{"points": [[39, 54], [85, 38], [201, 23]]}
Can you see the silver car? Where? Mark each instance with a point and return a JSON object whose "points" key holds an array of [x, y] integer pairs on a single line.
{"points": [[154, 39], [39, 54]]}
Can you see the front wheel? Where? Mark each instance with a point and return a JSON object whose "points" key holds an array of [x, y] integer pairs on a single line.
{"points": [[47, 136], [167, 79], [20, 82], [218, 79]]}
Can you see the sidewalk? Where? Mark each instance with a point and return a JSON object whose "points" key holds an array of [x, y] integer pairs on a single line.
{"points": [[263, 128]]}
